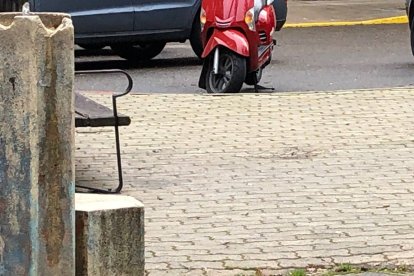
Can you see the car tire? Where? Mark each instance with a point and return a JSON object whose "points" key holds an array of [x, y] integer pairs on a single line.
{"points": [[195, 37], [412, 37], [281, 11], [138, 52]]}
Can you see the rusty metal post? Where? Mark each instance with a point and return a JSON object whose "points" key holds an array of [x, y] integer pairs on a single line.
{"points": [[36, 145]]}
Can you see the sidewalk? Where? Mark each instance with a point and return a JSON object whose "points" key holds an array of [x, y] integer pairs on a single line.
{"points": [[237, 184], [305, 11]]}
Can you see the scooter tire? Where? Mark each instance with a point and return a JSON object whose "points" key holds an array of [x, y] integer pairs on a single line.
{"points": [[237, 73]]}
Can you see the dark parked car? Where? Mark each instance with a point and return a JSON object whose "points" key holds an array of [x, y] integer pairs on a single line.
{"points": [[409, 6], [135, 29]]}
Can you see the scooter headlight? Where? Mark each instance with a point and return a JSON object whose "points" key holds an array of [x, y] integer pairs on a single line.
{"points": [[249, 19], [203, 18]]}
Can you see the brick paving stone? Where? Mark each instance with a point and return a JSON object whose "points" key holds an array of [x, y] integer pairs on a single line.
{"points": [[177, 272], [251, 264], [232, 272], [305, 262], [202, 265], [275, 181], [374, 259], [371, 274]]}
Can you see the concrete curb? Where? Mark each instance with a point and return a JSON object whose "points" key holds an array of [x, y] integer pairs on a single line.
{"points": [[379, 21]]}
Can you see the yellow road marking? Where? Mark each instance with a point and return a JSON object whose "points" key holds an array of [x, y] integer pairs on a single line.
{"points": [[388, 20]]}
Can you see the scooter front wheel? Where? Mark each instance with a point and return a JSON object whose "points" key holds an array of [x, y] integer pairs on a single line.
{"points": [[231, 73]]}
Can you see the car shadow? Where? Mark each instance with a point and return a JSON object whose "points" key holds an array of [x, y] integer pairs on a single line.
{"points": [[90, 53], [405, 66], [107, 60]]}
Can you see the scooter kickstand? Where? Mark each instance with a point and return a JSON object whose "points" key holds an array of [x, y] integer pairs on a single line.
{"points": [[258, 87]]}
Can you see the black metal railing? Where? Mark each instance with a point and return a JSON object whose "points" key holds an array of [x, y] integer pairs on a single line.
{"points": [[11, 5]]}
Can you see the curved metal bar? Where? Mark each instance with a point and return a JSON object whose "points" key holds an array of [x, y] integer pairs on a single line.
{"points": [[111, 71], [95, 190], [116, 126]]}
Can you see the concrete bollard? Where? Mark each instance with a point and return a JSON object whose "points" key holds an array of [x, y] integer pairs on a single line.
{"points": [[36, 145], [109, 235]]}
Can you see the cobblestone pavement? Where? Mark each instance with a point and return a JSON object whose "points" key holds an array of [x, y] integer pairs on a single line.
{"points": [[236, 183]]}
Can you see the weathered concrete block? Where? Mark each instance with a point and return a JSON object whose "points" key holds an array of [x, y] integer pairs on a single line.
{"points": [[36, 145], [109, 235]]}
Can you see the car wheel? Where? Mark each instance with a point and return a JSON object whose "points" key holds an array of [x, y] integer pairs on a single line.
{"points": [[139, 52], [195, 38], [281, 11], [91, 46]]}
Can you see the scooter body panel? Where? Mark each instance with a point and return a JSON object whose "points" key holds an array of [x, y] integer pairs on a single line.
{"points": [[226, 11], [266, 24], [228, 38]]}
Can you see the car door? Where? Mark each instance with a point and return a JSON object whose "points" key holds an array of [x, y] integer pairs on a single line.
{"points": [[163, 15], [93, 16]]}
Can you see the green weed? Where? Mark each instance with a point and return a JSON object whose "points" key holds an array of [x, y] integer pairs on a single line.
{"points": [[297, 272]]}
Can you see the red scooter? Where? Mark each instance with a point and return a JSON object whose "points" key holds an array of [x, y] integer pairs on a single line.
{"points": [[238, 43]]}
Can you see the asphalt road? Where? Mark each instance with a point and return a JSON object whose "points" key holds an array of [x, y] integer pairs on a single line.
{"points": [[306, 59]]}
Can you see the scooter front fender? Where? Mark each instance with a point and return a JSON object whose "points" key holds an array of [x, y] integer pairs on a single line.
{"points": [[232, 39]]}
